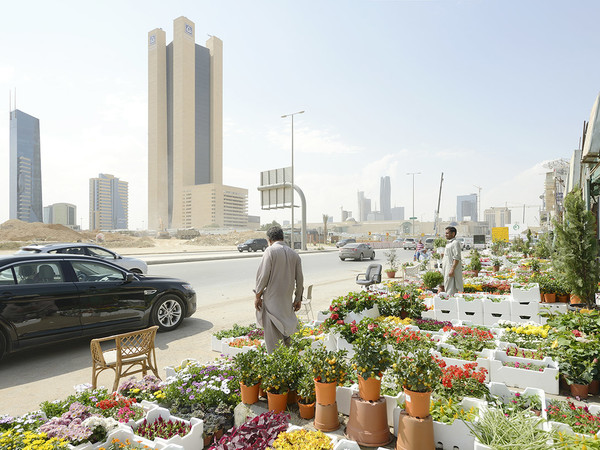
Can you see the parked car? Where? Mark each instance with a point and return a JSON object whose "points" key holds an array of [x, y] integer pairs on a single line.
{"points": [[409, 243], [253, 245], [399, 240], [53, 297], [356, 251], [429, 243], [343, 242], [134, 265]]}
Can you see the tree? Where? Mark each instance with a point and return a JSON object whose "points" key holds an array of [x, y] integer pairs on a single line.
{"points": [[266, 226], [325, 220], [577, 249]]}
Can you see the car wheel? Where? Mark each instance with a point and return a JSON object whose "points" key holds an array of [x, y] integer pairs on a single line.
{"points": [[3, 345], [372, 256], [263, 249], [168, 313], [240, 250], [343, 259]]}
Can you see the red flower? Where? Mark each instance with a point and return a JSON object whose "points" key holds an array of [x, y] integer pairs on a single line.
{"points": [[340, 322], [335, 316]]}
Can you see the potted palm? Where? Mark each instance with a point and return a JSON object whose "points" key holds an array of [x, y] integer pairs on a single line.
{"points": [[419, 374], [392, 259], [371, 358]]}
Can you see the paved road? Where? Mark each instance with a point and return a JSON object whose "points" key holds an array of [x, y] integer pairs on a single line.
{"points": [[224, 297]]}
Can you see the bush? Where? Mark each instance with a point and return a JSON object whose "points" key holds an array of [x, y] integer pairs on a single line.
{"points": [[432, 279]]}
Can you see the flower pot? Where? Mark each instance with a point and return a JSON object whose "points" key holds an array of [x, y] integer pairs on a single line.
{"points": [[325, 392], [326, 417], [594, 387], [390, 274], [292, 397], [369, 389], [580, 390], [476, 273], [249, 393], [549, 298], [575, 300], [367, 424], [403, 314], [417, 403], [277, 402], [562, 298], [414, 434], [261, 392], [496, 268], [307, 411]]}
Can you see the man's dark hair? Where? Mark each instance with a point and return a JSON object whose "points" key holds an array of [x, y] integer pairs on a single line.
{"points": [[451, 229], [275, 234]]}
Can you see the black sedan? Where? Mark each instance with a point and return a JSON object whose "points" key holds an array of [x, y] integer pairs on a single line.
{"points": [[48, 298]]}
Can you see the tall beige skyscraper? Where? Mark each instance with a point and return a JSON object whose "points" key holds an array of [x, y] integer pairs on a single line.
{"points": [[185, 134]]}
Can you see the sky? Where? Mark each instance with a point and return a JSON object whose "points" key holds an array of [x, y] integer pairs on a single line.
{"points": [[483, 91]]}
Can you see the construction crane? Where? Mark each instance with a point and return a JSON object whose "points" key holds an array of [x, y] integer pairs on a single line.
{"points": [[478, 202], [437, 211]]}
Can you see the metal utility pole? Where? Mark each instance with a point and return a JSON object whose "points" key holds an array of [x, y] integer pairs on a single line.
{"points": [[437, 211], [293, 185], [413, 195]]}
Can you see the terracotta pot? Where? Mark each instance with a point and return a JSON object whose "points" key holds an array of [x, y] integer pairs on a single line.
{"points": [[414, 434], [369, 389], [367, 424], [292, 397], [249, 393], [390, 274], [575, 300], [580, 390], [541, 296], [307, 411], [550, 298], [496, 268], [476, 273], [403, 314], [326, 417], [261, 392], [277, 402], [208, 439], [594, 387], [325, 392], [562, 298], [417, 403]]}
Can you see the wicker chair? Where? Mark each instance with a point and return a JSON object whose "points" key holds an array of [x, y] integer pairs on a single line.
{"points": [[130, 350]]}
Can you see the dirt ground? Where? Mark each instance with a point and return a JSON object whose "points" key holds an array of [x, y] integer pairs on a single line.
{"points": [[15, 234]]}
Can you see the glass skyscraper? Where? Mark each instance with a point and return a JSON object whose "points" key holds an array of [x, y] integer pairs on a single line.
{"points": [[25, 168]]}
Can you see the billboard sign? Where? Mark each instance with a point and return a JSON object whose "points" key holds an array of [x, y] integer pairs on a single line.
{"points": [[500, 234]]}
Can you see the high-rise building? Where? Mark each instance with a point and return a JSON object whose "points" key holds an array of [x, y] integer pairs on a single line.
{"points": [[25, 168], [466, 206], [109, 204], [385, 198], [497, 216], [185, 134], [61, 213], [398, 213], [364, 206]]}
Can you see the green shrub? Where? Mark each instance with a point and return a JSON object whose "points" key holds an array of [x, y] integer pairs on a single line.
{"points": [[432, 279]]}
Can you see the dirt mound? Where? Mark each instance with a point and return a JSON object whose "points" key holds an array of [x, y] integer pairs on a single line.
{"points": [[232, 238], [17, 230]]}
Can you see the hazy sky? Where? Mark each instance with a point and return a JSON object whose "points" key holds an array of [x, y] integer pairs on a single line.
{"points": [[484, 91]]}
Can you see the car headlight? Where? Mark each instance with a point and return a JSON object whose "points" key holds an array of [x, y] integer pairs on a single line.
{"points": [[187, 286]]}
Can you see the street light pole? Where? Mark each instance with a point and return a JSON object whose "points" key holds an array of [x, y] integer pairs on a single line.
{"points": [[413, 199], [283, 117]]}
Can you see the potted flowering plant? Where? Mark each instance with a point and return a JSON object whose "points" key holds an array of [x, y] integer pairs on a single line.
{"points": [[329, 368], [392, 259], [279, 374], [306, 394], [248, 366], [419, 374], [162, 428], [370, 360]]}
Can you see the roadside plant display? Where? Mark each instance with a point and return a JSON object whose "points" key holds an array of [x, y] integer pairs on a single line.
{"points": [[447, 410], [84, 395], [245, 341], [328, 366], [14, 439], [371, 357], [407, 341], [248, 365], [281, 370], [144, 389], [470, 338], [475, 261], [526, 366], [519, 402], [352, 302], [420, 372], [392, 260], [431, 324], [306, 388], [302, 440], [527, 336], [432, 279], [524, 353], [577, 417], [458, 382], [236, 331], [117, 444]]}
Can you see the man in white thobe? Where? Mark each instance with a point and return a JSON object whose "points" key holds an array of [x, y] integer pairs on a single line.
{"points": [[279, 273], [452, 263]]}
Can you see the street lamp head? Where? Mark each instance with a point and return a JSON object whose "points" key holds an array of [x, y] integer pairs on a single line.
{"points": [[292, 114]]}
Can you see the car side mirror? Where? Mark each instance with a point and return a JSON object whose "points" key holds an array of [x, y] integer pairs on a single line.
{"points": [[130, 277]]}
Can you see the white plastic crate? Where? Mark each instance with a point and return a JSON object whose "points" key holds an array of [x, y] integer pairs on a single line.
{"points": [[547, 380], [343, 395], [483, 360], [495, 311], [506, 394], [525, 293], [457, 434], [445, 309]]}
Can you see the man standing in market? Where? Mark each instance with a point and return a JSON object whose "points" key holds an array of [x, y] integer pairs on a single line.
{"points": [[279, 273], [452, 263]]}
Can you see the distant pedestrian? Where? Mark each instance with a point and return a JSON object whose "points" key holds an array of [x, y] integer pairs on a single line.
{"points": [[279, 273], [418, 250], [452, 263]]}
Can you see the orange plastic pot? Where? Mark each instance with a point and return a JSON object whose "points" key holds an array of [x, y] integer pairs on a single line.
{"points": [[249, 393], [550, 298], [391, 274], [277, 402], [325, 392], [292, 397], [417, 403], [594, 387], [307, 411], [575, 300], [369, 389], [580, 390], [562, 298]]}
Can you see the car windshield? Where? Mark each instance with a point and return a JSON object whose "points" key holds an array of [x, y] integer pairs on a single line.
{"points": [[351, 245], [249, 241]]}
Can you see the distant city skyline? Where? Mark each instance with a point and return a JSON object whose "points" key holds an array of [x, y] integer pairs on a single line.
{"points": [[109, 203], [437, 87]]}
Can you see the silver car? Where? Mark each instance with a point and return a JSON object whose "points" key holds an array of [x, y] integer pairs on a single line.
{"points": [[409, 243], [357, 252], [77, 248]]}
